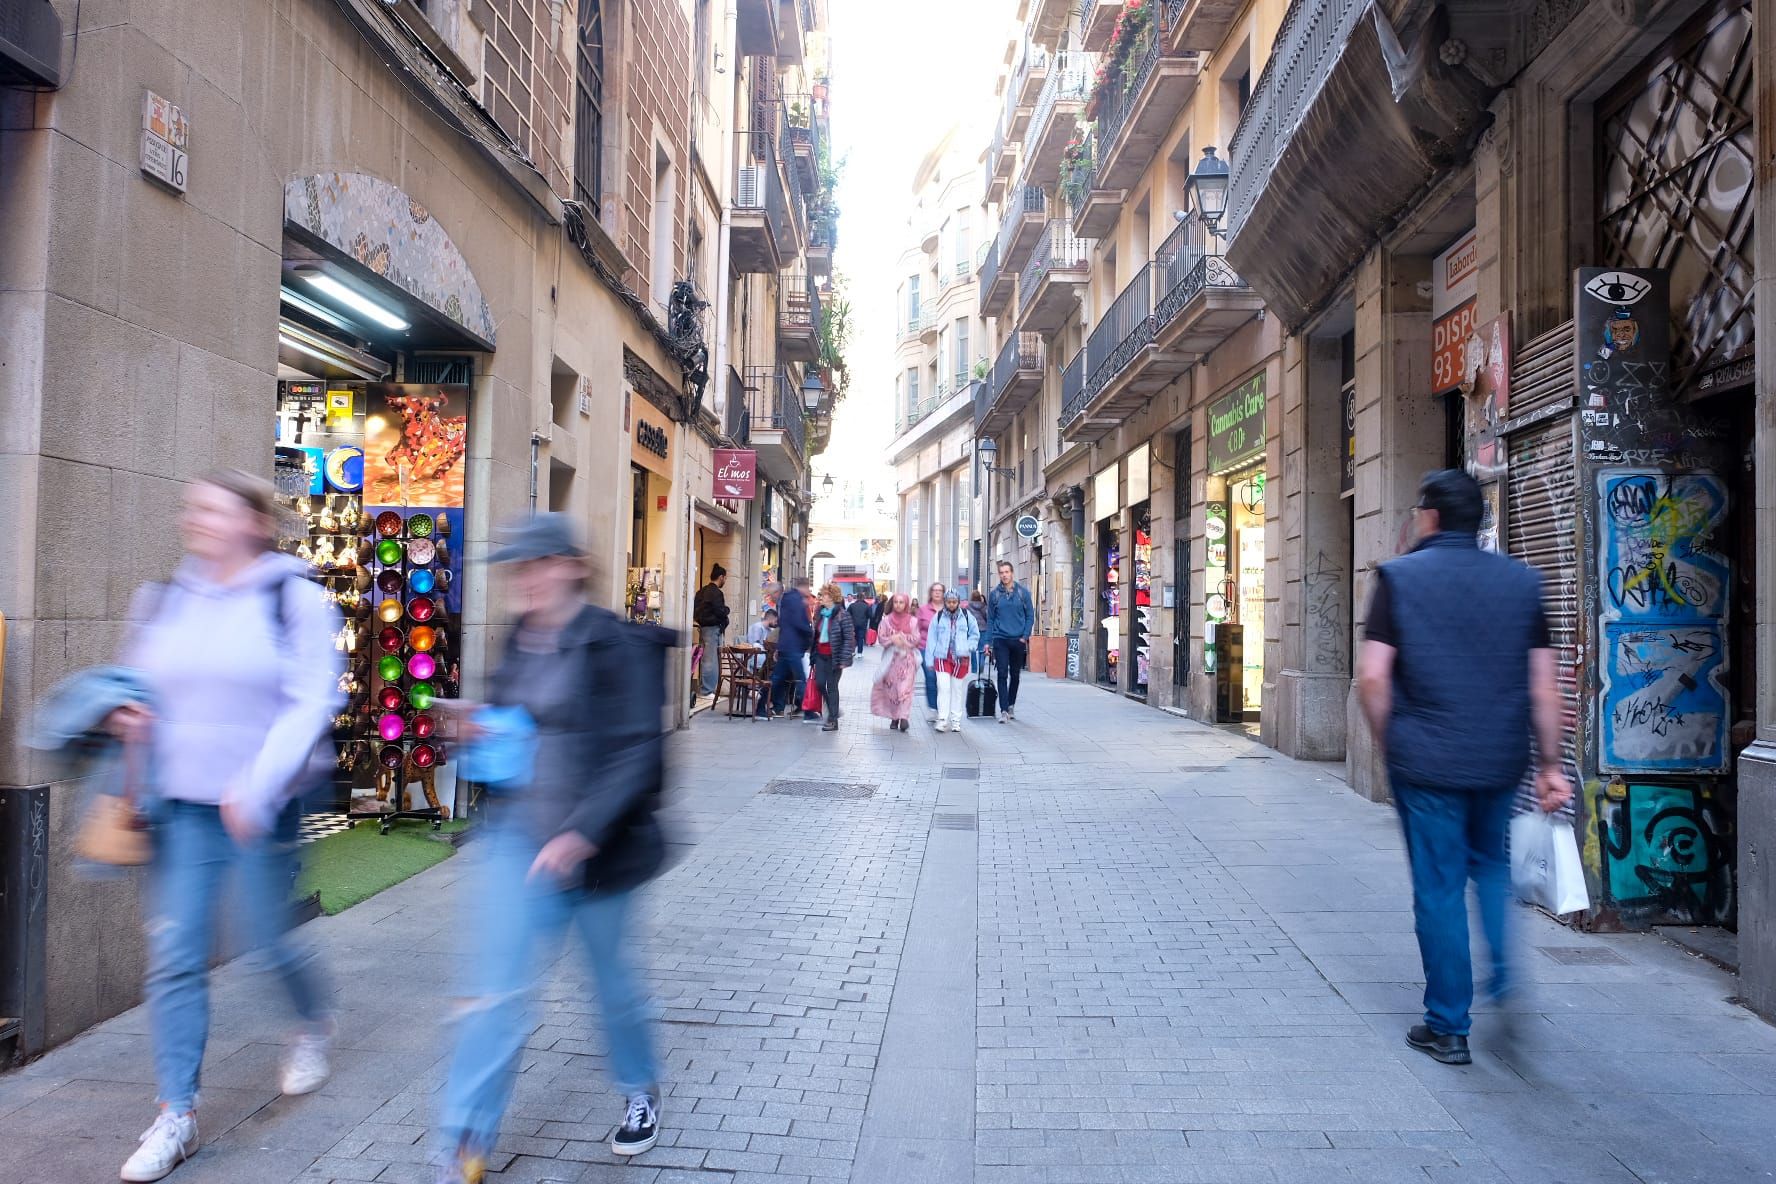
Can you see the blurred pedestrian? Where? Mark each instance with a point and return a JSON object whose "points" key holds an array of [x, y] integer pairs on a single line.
{"points": [[863, 609], [231, 738], [977, 604], [1456, 670], [835, 646], [794, 636], [1010, 620], [892, 695], [878, 611], [709, 613], [949, 649], [934, 598], [568, 848]]}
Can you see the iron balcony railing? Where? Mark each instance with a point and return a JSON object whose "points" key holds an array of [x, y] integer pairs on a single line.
{"points": [[1307, 46], [798, 300], [1021, 351], [1174, 9], [804, 138], [1122, 332], [1187, 262], [1059, 248], [1029, 199], [736, 415], [1078, 193], [1113, 113], [1069, 78], [1031, 57], [776, 404], [984, 398], [1074, 394], [989, 265], [761, 188]]}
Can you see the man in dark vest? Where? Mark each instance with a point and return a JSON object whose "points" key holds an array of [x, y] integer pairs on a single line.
{"points": [[1456, 668]]}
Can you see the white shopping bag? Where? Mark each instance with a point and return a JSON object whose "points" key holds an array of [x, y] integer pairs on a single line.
{"points": [[1545, 868]]}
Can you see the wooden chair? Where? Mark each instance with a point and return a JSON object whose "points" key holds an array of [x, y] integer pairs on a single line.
{"points": [[743, 679]]}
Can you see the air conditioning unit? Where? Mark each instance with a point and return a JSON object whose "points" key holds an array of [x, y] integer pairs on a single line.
{"points": [[30, 44]]}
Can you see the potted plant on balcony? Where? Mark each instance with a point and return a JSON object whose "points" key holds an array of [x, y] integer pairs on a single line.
{"points": [[1130, 40], [981, 368], [835, 339], [1076, 169], [820, 88]]}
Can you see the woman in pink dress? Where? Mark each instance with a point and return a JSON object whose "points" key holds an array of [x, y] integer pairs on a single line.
{"points": [[892, 696]]}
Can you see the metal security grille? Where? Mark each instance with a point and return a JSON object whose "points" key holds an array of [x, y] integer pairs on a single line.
{"points": [[589, 106], [447, 371], [954, 822], [821, 789], [1676, 179]]}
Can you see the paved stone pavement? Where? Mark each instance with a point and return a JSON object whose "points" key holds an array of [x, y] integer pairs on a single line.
{"points": [[1098, 944]]}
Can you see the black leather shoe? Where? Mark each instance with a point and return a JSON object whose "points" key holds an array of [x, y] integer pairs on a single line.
{"points": [[1451, 1050], [829, 727]]}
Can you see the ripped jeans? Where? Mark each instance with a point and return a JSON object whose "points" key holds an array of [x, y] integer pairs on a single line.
{"points": [[512, 937], [192, 853]]}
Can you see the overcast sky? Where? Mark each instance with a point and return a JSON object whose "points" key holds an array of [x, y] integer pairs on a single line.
{"points": [[903, 72]]}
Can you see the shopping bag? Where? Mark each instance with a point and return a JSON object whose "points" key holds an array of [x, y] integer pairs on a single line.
{"points": [[811, 697], [1545, 868], [869, 638], [113, 832]]}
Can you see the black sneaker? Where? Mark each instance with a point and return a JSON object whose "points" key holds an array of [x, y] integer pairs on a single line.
{"points": [[641, 1125], [1451, 1050]]}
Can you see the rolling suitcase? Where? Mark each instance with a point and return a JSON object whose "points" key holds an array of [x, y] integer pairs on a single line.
{"points": [[983, 697]]}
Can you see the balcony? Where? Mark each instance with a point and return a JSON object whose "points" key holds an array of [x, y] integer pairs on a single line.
{"points": [[822, 233], [1001, 162], [996, 283], [804, 132], [1199, 25], [1073, 388], [1016, 378], [1140, 108], [763, 236], [1022, 89], [1021, 229], [778, 429], [1051, 282], [798, 318], [1058, 109], [1327, 155], [1097, 20], [1094, 210], [794, 19], [1048, 19], [1199, 300], [736, 415], [756, 27]]}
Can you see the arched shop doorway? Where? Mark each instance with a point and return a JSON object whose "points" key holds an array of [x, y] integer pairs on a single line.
{"points": [[382, 332]]}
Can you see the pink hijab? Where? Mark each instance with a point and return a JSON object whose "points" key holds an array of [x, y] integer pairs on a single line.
{"points": [[899, 616]]}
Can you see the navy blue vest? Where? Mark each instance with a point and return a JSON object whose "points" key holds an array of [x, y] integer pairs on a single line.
{"points": [[1464, 620]]}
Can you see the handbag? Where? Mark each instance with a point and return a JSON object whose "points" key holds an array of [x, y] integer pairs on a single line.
{"points": [[811, 697], [869, 638], [1545, 867], [113, 832]]}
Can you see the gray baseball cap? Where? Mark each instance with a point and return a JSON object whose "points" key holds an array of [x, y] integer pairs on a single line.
{"points": [[537, 537]]}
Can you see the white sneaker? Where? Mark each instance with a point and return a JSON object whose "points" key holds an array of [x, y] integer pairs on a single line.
{"points": [[943, 725], [307, 1064], [165, 1145]]}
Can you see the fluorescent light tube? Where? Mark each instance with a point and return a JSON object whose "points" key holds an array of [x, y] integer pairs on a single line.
{"points": [[353, 299]]}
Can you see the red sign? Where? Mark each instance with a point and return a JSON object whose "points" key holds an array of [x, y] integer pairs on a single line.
{"points": [[1449, 345], [736, 473]]}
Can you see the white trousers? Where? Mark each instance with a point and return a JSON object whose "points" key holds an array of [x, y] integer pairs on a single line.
{"points": [[952, 699]]}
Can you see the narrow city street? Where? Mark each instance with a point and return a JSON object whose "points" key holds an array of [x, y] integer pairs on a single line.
{"points": [[1097, 944]]}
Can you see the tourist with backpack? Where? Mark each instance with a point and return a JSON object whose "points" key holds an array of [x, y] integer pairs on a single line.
{"points": [[236, 655], [568, 847]]}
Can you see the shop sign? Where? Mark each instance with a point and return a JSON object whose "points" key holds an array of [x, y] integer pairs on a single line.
{"points": [[165, 133], [651, 437], [1105, 494], [1449, 346], [1455, 275], [1140, 477], [1236, 426], [1347, 452], [1027, 526], [736, 473]]}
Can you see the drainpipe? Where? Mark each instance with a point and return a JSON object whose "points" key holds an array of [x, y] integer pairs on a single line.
{"points": [[536, 451]]}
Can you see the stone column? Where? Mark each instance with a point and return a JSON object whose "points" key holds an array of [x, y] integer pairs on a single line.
{"points": [[1314, 681], [1399, 438], [1757, 764]]}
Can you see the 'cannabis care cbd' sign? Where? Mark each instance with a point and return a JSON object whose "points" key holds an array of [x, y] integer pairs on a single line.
{"points": [[1236, 426]]}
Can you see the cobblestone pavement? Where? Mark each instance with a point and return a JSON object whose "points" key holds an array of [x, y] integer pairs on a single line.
{"points": [[1098, 944]]}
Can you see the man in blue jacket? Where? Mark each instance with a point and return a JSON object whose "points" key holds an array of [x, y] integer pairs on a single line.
{"points": [[1455, 676], [795, 634], [1011, 618]]}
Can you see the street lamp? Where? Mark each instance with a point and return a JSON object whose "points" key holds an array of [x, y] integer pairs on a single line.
{"points": [[812, 390], [826, 485], [987, 451], [1208, 189]]}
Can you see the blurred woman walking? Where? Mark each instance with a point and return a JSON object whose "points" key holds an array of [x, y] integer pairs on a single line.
{"points": [[835, 646], [934, 598], [892, 696]]}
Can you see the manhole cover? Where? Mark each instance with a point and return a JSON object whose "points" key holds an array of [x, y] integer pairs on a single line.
{"points": [[1583, 956], [961, 773], [821, 789], [953, 822]]}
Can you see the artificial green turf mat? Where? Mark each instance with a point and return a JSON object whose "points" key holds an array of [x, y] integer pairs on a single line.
{"points": [[352, 866]]}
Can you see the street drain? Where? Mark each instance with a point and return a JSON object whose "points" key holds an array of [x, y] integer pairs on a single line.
{"points": [[850, 790], [961, 773], [1252, 756], [1200, 768], [1583, 956], [953, 822]]}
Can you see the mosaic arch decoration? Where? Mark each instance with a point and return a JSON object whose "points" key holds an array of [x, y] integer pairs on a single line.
{"points": [[394, 236]]}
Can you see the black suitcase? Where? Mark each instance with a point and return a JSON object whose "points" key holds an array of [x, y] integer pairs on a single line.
{"points": [[983, 699]]}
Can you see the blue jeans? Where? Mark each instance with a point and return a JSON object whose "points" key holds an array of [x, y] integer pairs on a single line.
{"points": [[1009, 654], [1450, 837], [514, 932], [930, 687], [192, 853], [711, 638], [786, 684]]}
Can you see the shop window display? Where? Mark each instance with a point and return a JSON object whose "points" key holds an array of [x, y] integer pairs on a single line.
{"points": [[1141, 626]]}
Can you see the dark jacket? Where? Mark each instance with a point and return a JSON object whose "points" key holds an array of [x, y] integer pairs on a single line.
{"points": [[795, 636], [1463, 623], [876, 615], [861, 611], [710, 609], [601, 746], [842, 635], [1010, 615]]}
